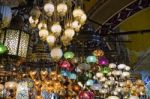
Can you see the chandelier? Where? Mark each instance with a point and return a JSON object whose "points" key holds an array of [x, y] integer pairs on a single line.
{"points": [[58, 20]]}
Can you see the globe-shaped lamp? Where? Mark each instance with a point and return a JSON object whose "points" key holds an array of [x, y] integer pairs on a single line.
{"points": [[113, 97], [91, 59], [3, 49], [69, 32], [105, 70], [49, 9], [43, 33], [56, 29], [68, 55], [62, 9], [56, 53], [103, 61]]}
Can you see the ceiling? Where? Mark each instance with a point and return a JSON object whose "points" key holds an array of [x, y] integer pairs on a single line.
{"points": [[105, 9], [139, 48]]}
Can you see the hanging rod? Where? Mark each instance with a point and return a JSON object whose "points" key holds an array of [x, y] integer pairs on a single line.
{"points": [[127, 33]]}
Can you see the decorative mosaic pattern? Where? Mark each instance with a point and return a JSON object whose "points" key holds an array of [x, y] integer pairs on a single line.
{"points": [[22, 91], [11, 42], [23, 47]]}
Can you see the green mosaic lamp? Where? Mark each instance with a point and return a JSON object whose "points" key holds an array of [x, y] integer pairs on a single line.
{"points": [[68, 55], [3, 49]]}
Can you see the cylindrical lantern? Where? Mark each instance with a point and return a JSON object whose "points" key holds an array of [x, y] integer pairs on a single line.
{"points": [[5, 16], [22, 90], [16, 41]]}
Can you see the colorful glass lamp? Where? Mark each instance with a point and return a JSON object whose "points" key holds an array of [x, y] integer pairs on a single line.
{"points": [[3, 49], [91, 59], [69, 55]]}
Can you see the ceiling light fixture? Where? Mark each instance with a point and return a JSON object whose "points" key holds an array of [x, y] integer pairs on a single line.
{"points": [[60, 18]]}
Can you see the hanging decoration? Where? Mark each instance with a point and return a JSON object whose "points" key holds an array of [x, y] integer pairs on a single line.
{"points": [[68, 55], [22, 91], [11, 88], [56, 53], [58, 20], [84, 78], [91, 59], [16, 42], [3, 49], [103, 61], [98, 53]]}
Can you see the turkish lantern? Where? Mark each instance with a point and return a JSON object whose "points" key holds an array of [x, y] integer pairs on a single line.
{"points": [[64, 64], [56, 53], [91, 59], [86, 95], [68, 55], [103, 61]]}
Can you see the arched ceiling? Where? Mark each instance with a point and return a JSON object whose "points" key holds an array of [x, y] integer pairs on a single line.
{"points": [[140, 46], [107, 9]]}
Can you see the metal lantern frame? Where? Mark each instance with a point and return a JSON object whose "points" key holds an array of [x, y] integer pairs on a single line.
{"points": [[17, 41]]}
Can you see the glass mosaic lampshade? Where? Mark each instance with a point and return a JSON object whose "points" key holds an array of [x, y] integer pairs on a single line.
{"points": [[68, 55], [16, 41], [3, 49], [91, 59]]}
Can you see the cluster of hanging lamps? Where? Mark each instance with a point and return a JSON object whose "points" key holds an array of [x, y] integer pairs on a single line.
{"points": [[87, 78], [60, 20]]}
